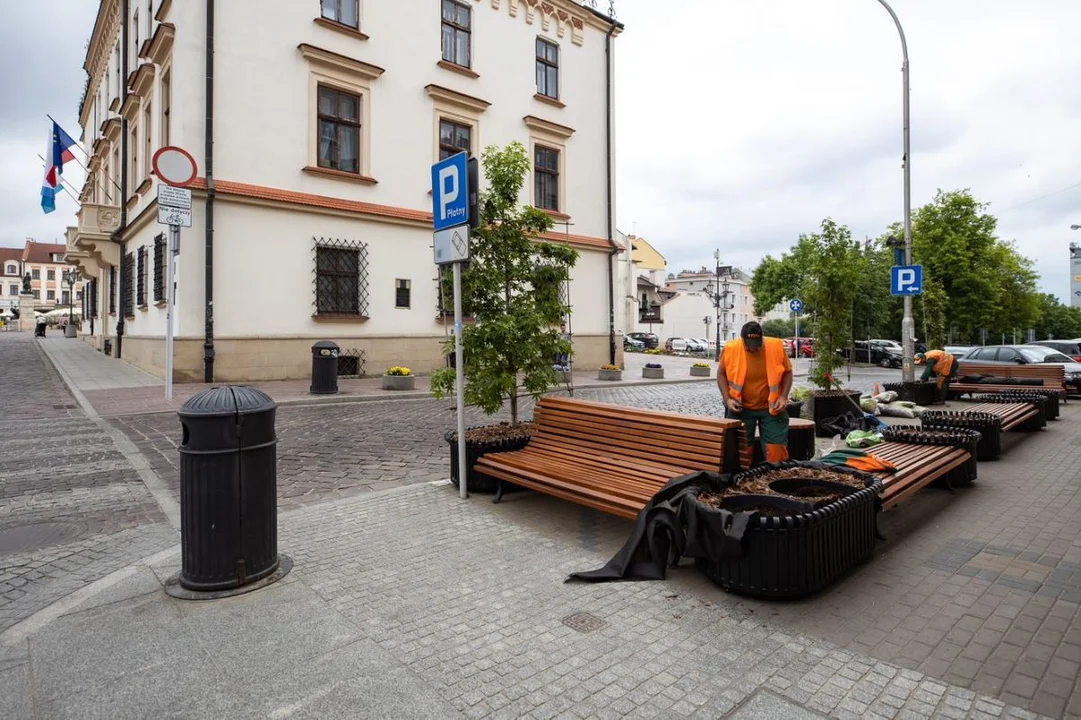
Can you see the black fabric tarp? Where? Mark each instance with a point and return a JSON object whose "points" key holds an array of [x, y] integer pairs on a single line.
{"points": [[674, 525]]}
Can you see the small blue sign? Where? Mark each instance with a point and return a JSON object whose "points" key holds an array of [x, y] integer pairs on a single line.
{"points": [[906, 280], [450, 192], [795, 306]]}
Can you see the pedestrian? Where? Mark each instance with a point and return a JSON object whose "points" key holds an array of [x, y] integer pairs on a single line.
{"points": [[941, 364], [562, 360], [754, 376], [40, 327]]}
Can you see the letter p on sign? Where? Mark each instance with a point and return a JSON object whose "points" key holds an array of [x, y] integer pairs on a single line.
{"points": [[906, 280], [448, 189]]}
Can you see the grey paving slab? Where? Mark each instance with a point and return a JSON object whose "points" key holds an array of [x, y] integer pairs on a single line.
{"points": [[765, 705], [92, 370], [15, 692]]}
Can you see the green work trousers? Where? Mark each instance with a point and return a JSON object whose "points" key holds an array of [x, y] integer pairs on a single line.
{"points": [[772, 429], [943, 382]]}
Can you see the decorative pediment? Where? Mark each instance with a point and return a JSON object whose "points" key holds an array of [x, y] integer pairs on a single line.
{"points": [[453, 97], [547, 127], [326, 58], [162, 43], [142, 80]]}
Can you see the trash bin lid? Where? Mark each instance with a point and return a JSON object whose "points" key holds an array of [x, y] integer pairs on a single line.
{"points": [[228, 400], [327, 344]]}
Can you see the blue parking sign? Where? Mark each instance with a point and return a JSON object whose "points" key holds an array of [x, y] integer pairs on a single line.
{"points": [[906, 280], [450, 192]]}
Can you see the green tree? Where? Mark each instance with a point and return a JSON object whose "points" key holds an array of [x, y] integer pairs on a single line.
{"points": [[778, 328], [1057, 321], [511, 289], [831, 286], [778, 279]]}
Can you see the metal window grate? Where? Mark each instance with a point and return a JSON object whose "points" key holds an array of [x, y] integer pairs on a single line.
{"points": [[140, 278], [351, 363], [340, 277], [127, 265], [159, 267], [112, 289]]}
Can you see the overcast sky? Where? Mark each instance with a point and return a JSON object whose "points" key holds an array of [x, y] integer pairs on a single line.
{"points": [[740, 123]]}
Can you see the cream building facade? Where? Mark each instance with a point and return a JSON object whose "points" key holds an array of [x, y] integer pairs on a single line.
{"points": [[312, 203]]}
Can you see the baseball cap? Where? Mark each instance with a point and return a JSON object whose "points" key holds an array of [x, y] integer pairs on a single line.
{"points": [[752, 335]]}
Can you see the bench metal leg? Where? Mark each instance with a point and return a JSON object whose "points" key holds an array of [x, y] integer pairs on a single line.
{"points": [[498, 491]]}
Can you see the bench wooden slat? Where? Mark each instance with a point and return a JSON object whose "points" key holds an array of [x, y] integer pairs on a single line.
{"points": [[616, 462], [1053, 376], [917, 467]]}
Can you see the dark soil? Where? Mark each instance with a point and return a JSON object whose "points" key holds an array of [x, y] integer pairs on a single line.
{"points": [[833, 393], [761, 486], [502, 431]]}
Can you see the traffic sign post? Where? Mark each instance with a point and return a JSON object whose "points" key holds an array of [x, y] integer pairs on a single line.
{"points": [[454, 191], [796, 306], [176, 169], [906, 280]]}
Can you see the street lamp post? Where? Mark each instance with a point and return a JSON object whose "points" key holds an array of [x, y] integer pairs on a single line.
{"points": [[908, 372], [70, 276]]}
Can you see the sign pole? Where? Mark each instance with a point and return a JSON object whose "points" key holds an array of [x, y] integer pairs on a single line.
{"points": [[170, 300], [459, 372]]}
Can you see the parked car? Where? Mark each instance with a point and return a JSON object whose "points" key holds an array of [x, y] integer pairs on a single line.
{"points": [[884, 353], [1066, 347], [957, 350], [650, 340], [681, 344], [806, 347], [708, 346], [697, 346], [1029, 355], [633, 344]]}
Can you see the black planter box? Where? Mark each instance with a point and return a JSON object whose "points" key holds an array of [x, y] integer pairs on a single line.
{"points": [[920, 392], [989, 426], [474, 450], [1054, 398], [798, 554], [826, 407], [963, 438]]}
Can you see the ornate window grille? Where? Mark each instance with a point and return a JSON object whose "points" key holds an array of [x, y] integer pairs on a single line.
{"points": [[351, 363], [140, 278], [159, 267], [127, 265], [340, 278], [112, 289]]}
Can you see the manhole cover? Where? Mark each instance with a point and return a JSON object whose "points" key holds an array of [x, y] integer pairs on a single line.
{"points": [[584, 622], [34, 537]]}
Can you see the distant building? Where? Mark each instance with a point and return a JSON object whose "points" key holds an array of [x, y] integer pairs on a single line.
{"points": [[11, 279], [46, 263]]}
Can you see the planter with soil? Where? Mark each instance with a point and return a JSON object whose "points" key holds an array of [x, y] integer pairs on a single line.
{"points": [[989, 426], [795, 408], [828, 404], [1054, 398], [963, 438], [481, 440], [609, 375], [697, 371], [921, 392], [653, 373], [399, 382], [787, 529]]}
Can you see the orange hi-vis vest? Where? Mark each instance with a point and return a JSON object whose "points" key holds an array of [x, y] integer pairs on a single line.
{"points": [[735, 367], [942, 359]]}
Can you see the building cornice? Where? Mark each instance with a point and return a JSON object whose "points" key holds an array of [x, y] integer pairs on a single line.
{"points": [[141, 80], [321, 56], [547, 126], [163, 10], [102, 40], [453, 97], [563, 14]]}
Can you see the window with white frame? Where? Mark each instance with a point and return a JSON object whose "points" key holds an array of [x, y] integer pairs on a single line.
{"points": [[547, 68], [346, 12], [457, 33], [402, 293], [546, 177]]}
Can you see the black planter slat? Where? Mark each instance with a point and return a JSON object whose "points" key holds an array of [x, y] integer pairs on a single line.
{"points": [[963, 438], [474, 450], [989, 426], [923, 393]]}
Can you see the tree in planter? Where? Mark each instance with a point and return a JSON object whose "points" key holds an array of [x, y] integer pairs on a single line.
{"points": [[511, 289], [831, 286]]}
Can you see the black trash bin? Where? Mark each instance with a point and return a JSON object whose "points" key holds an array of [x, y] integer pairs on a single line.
{"points": [[228, 489], [324, 368]]}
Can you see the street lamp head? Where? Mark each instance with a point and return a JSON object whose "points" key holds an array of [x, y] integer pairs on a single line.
{"points": [[1075, 227]]}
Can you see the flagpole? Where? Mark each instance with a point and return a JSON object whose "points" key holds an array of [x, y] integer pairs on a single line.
{"points": [[84, 152], [62, 185]]}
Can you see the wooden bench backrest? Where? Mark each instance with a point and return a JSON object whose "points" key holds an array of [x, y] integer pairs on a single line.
{"points": [[687, 441], [1050, 374]]}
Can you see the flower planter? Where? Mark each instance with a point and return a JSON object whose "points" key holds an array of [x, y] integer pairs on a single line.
{"points": [[399, 382], [924, 393], [653, 373], [700, 371], [963, 438], [795, 408], [827, 404], [801, 439], [476, 448], [610, 375], [989, 426], [791, 546]]}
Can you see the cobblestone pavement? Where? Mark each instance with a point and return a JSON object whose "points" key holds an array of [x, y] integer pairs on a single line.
{"points": [[71, 507]]}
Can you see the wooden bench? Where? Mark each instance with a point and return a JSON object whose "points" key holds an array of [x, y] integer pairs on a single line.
{"points": [[917, 467], [614, 458], [1051, 376], [1014, 415]]}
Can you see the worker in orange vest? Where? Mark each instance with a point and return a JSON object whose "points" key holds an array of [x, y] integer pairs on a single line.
{"points": [[754, 376], [940, 363]]}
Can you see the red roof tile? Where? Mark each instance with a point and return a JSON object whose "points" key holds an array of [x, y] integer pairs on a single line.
{"points": [[36, 252]]}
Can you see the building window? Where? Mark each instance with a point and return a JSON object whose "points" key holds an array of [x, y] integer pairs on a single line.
{"points": [[35, 274], [50, 274], [92, 298], [339, 130], [546, 177], [456, 33], [159, 267], [112, 289], [11, 270], [345, 12], [134, 172], [127, 267], [135, 39], [402, 289], [148, 150], [64, 298], [140, 277], [166, 89], [50, 295], [454, 138], [547, 68], [341, 278], [36, 294], [13, 289]]}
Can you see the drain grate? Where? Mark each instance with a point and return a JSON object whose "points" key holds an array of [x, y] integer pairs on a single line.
{"points": [[584, 622], [26, 538]]}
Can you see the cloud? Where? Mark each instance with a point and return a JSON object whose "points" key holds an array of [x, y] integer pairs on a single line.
{"points": [[743, 124]]}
